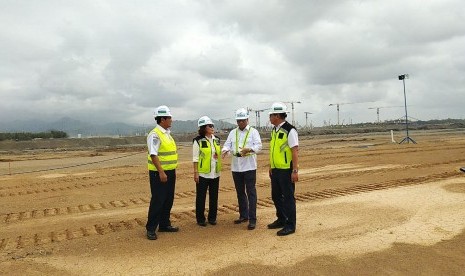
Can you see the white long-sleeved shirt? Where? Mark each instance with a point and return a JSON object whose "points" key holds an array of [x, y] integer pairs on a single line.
{"points": [[195, 158], [249, 162]]}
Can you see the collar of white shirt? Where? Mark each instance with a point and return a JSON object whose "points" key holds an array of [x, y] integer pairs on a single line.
{"points": [[167, 131]]}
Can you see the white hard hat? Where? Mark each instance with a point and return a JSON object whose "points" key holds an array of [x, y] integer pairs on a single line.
{"points": [[242, 114], [278, 107], [204, 120], [162, 111]]}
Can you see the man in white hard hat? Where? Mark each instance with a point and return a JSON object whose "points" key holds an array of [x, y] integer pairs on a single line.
{"points": [[206, 155], [284, 169], [244, 143], [162, 162]]}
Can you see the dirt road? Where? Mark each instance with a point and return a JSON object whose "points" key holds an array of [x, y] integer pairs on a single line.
{"points": [[364, 206]]}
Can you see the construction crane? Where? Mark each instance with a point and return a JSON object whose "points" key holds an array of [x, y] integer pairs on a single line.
{"points": [[338, 104], [306, 118], [378, 108], [257, 115], [292, 107]]}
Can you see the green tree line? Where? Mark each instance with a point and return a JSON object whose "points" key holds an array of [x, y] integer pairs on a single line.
{"points": [[25, 136]]}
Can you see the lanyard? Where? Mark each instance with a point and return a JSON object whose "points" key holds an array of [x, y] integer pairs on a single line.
{"points": [[245, 139]]}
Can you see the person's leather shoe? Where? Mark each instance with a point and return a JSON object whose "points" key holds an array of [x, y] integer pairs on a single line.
{"points": [[212, 222], [240, 220], [251, 225], [276, 224], [151, 235], [203, 223], [168, 228], [285, 231]]}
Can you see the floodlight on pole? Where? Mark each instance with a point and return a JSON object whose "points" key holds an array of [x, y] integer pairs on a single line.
{"points": [[407, 137]]}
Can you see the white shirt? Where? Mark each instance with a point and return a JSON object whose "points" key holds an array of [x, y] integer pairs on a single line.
{"points": [[153, 141], [195, 158], [249, 162], [292, 137]]}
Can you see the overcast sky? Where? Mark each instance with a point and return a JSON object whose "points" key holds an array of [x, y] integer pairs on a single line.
{"points": [[115, 61]]}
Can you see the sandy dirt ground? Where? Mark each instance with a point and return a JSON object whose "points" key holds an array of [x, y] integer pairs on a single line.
{"points": [[365, 206]]}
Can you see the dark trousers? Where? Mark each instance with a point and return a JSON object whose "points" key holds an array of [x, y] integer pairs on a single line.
{"points": [[212, 186], [161, 201], [282, 193], [246, 193]]}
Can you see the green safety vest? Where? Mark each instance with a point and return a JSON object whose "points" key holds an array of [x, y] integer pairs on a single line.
{"points": [[280, 152], [167, 153], [205, 154]]}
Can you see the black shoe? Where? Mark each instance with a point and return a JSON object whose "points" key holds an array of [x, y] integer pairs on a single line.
{"points": [[168, 228], [212, 222], [276, 224], [251, 225], [151, 235], [240, 220], [285, 231], [203, 223]]}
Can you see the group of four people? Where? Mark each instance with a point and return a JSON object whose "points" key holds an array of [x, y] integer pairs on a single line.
{"points": [[243, 144]]}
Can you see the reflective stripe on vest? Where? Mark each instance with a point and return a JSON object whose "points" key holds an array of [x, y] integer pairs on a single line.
{"points": [[280, 152], [167, 153], [205, 155]]}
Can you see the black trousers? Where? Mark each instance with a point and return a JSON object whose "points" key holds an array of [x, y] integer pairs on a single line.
{"points": [[161, 201], [212, 185], [246, 193], [282, 193]]}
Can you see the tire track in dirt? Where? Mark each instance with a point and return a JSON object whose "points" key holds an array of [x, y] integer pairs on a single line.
{"points": [[71, 178], [56, 211], [39, 239], [24, 215], [60, 188], [389, 151]]}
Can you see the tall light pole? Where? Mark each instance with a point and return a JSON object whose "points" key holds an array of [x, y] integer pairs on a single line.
{"points": [[407, 137], [337, 105], [306, 118]]}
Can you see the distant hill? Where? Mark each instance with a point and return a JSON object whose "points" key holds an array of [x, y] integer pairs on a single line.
{"points": [[87, 129]]}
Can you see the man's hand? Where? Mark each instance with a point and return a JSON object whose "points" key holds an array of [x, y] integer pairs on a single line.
{"points": [[163, 177], [295, 177]]}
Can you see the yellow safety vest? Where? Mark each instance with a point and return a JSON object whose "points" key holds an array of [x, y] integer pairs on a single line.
{"points": [[167, 153], [205, 154], [280, 152]]}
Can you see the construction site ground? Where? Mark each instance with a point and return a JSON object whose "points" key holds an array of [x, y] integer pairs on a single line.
{"points": [[365, 206]]}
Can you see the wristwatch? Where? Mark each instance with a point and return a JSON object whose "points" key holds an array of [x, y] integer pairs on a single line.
{"points": [[295, 171]]}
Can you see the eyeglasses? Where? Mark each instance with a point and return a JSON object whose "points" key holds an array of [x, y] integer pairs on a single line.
{"points": [[240, 121], [210, 126]]}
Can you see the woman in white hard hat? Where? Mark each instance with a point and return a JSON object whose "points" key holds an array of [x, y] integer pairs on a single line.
{"points": [[206, 153]]}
